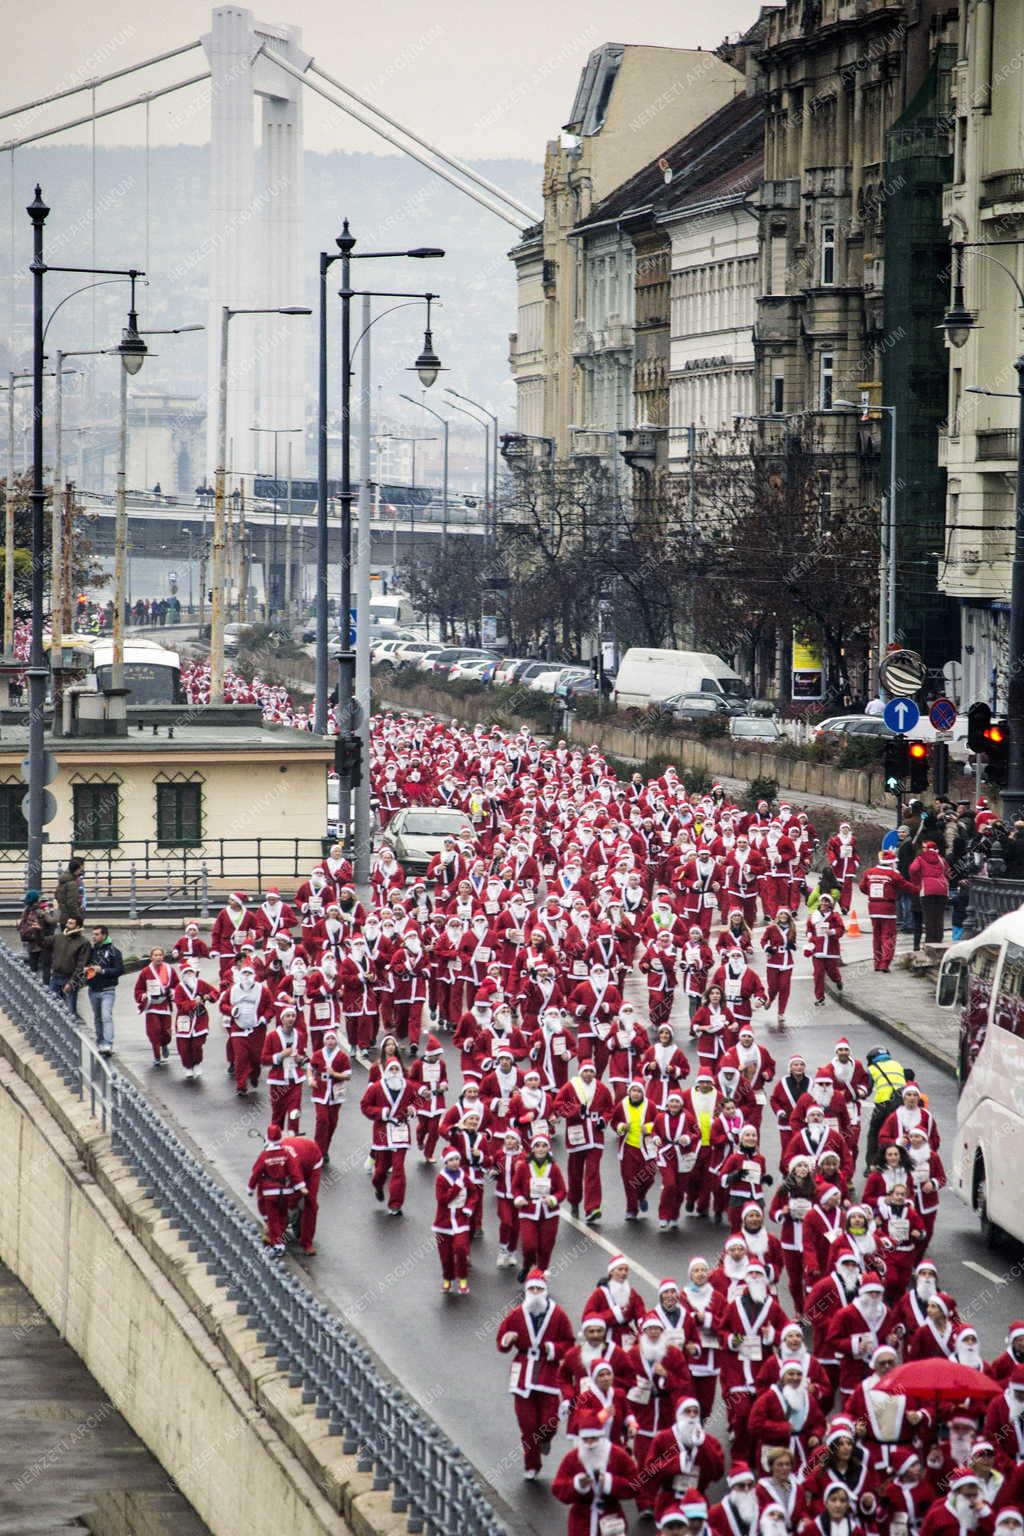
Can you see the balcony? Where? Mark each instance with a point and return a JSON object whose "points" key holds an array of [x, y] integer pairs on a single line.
{"points": [[776, 196], [1003, 189], [997, 444]]}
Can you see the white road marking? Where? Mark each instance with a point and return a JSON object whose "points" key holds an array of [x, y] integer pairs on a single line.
{"points": [[612, 1248], [979, 1269]]}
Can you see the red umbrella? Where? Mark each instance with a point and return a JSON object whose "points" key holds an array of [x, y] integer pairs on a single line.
{"points": [[940, 1384]]}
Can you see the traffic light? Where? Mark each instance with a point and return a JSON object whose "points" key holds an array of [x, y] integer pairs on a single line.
{"points": [[917, 753], [896, 763], [997, 749], [348, 761], [940, 769], [979, 718]]}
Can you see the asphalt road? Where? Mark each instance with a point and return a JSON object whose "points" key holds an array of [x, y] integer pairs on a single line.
{"points": [[383, 1275]]}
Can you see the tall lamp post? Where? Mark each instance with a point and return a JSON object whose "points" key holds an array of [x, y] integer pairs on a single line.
{"points": [[444, 473], [217, 602], [427, 366], [492, 418], [958, 323]]}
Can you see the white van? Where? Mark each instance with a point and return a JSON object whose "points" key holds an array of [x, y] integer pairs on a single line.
{"points": [[647, 676], [983, 978], [395, 609]]}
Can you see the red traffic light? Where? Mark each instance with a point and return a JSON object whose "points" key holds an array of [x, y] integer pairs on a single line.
{"points": [[918, 750], [995, 734]]}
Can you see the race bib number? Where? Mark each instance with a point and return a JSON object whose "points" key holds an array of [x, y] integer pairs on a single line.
{"points": [[154, 990], [751, 1349], [876, 890], [183, 1024], [640, 1394], [540, 1188], [687, 1162], [798, 1209], [398, 1135], [611, 1525], [649, 1148], [431, 1072], [575, 1136], [321, 1010], [759, 1097], [708, 899], [899, 1229]]}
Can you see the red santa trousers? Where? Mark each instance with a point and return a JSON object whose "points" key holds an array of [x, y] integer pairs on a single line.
{"points": [[190, 1050], [453, 1251], [158, 1032], [247, 1054], [286, 1107], [637, 1177], [585, 1179], [883, 941], [326, 1125], [389, 1168], [538, 1241], [821, 969], [537, 1416], [778, 985]]}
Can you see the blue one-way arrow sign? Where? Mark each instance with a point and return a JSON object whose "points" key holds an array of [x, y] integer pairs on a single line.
{"points": [[901, 715]]}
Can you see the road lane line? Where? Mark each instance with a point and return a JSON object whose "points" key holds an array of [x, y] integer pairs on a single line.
{"points": [[979, 1269], [610, 1247]]}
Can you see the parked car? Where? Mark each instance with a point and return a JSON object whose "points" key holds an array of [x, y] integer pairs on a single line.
{"points": [[236, 634], [555, 682], [441, 664], [416, 833], [525, 675], [700, 706], [509, 669], [383, 653], [478, 668], [410, 651], [874, 725], [755, 728]]}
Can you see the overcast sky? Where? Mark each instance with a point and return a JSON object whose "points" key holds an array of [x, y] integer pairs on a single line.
{"points": [[480, 77]]}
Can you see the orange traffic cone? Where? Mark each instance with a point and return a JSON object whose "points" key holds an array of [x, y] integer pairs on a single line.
{"points": [[852, 926]]}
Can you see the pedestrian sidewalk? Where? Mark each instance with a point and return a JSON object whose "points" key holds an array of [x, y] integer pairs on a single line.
{"points": [[901, 1003]]}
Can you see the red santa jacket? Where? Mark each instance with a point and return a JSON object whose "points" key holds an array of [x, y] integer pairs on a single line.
{"points": [[190, 1004], [154, 988], [390, 1113], [881, 884], [538, 1345], [585, 1118], [592, 1499]]}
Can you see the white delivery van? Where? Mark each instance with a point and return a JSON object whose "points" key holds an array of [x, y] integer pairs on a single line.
{"points": [[646, 676]]}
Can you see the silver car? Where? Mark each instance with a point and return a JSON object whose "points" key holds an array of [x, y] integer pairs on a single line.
{"points": [[416, 833]]}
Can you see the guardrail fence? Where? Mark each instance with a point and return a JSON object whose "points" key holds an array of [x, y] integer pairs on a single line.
{"points": [[431, 1481], [991, 899]]}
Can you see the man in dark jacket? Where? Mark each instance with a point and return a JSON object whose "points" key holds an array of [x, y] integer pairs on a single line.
{"points": [[71, 951], [103, 972], [69, 893], [36, 930]]}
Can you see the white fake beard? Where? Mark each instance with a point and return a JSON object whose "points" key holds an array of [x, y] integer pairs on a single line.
{"points": [[535, 1305], [690, 1431], [843, 1070], [796, 1398], [969, 1355], [757, 1289], [967, 1516], [960, 1448], [653, 1350], [873, 1310], [1015, 1405], [745, 1505], [594, 1455], [821, 1095], [589, 1353], [618, 1290], [926, 1288], [771, 1525]]}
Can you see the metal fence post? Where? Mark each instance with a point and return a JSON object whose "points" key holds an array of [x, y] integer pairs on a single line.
{"points": [[133, 891], [204, 892]]}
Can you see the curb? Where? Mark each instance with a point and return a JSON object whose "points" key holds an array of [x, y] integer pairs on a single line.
{"points": [[897, 1030]]}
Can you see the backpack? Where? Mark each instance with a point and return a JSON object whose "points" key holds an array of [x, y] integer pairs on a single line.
{"points": [[30, 928]]}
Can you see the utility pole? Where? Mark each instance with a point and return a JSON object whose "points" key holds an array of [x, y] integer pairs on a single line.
{"points": [[363, 702], [288, 544], [120, 534]]}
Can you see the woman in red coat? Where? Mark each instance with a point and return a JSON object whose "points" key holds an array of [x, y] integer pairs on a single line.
{"points": [[154, 997], [390, 1103], [452, 1219], [192, 1021], [538, 1190]]}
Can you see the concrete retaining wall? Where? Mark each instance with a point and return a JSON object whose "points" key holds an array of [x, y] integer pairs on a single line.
{"points": [[717, 759], [156, 1332]]}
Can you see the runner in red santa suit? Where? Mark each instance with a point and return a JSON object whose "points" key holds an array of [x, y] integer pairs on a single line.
{"points": [[273, 1180], [678, 1138], [779, 854], [778, 1494], [285, 1055], [703, 1101], [694, 964], [356, 983], [593, 1003], [154, 997], [911, 1113], [231, 927], [538, 1189], [881, 884], [744, 1055], [845, 1464], [787, 1093], [312, 899], [1001, 1368], [386, 874], [1004, 1417], [683, 1457], [552, 1049], [305, 1205], [190, 946], [786, 1414], [538, 1334], [857, 1330], [841, 853], [835, 1514], [627, 1043], [760, 1243], [830, 1096], [192, 997], [814, 1139], [714, 1027], [390, 1103], [453, 1196], [248, 1005], [658, 962], [884, 1421], [906, 1495], [745, 1175], [618, 1301], [329, 1071], [750, 1326], [586, 1106], [705, 1309], [963, 1511], [743, 871], [273, 917], [738, 1512], [595, 1478], [779, 942], [658, 1379], [505, 1154], [791, 1346], [825, 928], [791, 1204], [428, 1076], [633, 1124], [936, 1338], [410, 974]]}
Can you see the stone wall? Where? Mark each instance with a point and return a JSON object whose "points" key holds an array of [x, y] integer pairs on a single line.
{"points": [[156, 1332]]}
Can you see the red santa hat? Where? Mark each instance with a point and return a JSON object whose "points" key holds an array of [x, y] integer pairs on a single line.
{"points": [[238, 896], [797, 1057], [928, 1267], [740, 1473], [691, 1507], [1015, 1331], [668, 1284], [652, 1320], [826, 1191], [982, 1445], [485, 991], [594, 1320], [537, 1277], [945, 1301], [451, 1151], [887, 856], [274, 1133], [870, 1283], [617, 1259], [433, 1046], [963, 1477], [903, 1458], [755, 1267], [698, 1258], [704, 1077], [840, 1426]]}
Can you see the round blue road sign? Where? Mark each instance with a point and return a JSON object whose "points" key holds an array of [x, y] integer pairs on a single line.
{"points": [[901, 714], [943, 714]]}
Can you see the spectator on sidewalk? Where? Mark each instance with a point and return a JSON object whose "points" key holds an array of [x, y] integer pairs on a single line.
{"points": [[71, 951], [69, 894], [905, 856], [930, 873], [103, 972], [36, 930]]}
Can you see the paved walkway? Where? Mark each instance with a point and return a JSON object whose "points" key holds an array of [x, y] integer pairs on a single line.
{"points": [[68, 1460], [902, 1004]]}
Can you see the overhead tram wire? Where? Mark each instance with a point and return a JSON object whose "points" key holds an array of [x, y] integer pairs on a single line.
{"points": [[122, 106], [517, 220]]}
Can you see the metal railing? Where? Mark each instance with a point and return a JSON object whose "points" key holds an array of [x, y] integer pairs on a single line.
{"points": [[991, 899], [997, 443], [432, 1483], [131, 874]]}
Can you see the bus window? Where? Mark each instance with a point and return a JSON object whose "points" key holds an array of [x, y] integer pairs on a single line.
{"points": [[1009, 1011], [974, 1018]]}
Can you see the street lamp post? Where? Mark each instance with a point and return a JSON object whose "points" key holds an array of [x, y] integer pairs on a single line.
{"points": [[227, 314], [958, 324], [444, 473], [492, 418], [13, 382], [427, 366]]}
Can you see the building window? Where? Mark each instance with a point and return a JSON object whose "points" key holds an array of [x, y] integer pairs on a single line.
{"points": [[179, 815], [778, 394], [95, 815], [825, 381], [828, 255], [13, 826]]}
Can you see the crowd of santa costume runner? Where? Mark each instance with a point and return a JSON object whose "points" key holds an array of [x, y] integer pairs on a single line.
{"points": [[517, 943]]}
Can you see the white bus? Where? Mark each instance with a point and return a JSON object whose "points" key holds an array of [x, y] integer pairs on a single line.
{"points": [[984, 978], [152, 674]]}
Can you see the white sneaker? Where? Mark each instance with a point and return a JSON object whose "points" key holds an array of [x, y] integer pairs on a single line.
{"points": [[197, 1071], [530, 1474], [502, 1259]]}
